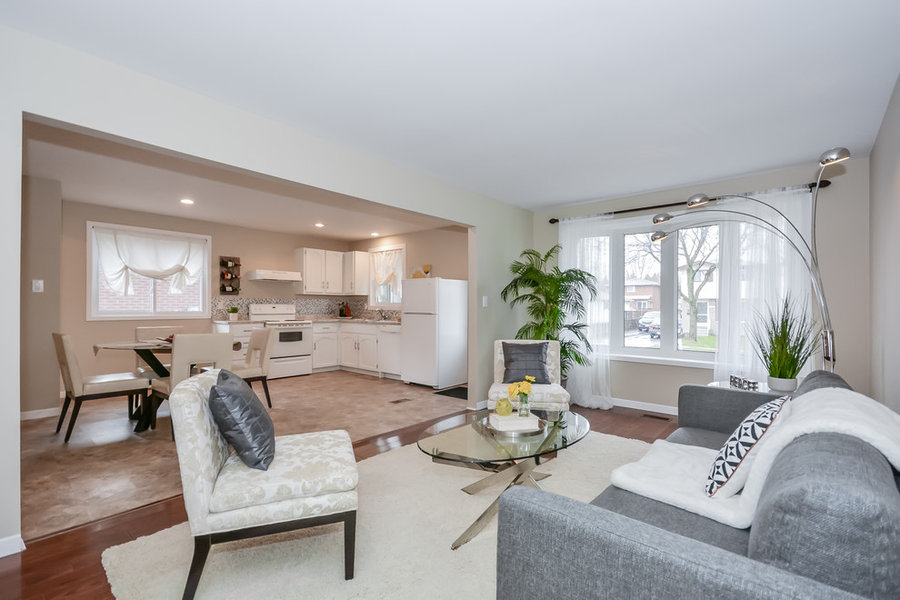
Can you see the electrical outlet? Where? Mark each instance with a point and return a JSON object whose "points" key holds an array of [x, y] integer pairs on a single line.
{"points": [[37, 286]]}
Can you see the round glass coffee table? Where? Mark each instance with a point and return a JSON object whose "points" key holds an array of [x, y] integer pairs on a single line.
{"points": [[469, 441]]}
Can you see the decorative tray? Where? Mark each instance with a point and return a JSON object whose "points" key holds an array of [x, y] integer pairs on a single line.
{"points": [[542, 425]]}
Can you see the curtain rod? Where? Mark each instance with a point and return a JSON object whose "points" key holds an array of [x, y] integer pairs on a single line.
{"points": [[824, 184]]}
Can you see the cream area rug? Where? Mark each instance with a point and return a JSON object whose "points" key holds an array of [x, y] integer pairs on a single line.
{"points": [[410, 510]]}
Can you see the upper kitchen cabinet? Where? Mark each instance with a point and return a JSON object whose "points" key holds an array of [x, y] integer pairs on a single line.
{"points": [[322, 271], [356, 273]]}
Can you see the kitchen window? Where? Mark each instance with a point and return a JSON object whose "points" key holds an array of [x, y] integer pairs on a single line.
{"points": [[387, 267], [134, 272]]}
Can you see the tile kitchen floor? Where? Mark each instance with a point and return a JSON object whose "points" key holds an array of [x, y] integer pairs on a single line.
{"points": [[106, 468]]}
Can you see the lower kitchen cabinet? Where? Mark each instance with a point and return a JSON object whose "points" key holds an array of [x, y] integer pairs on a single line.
{"points": [[359, 350], [325, 346]]}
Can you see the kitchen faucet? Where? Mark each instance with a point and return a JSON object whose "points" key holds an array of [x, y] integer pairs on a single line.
{"points": [[383, 315]]}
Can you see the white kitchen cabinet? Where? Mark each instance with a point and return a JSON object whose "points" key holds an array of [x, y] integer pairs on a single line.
{"points": [[325, 345], [323, 271], [367, 344], [389, 349], [359, 346], [356, 273]]}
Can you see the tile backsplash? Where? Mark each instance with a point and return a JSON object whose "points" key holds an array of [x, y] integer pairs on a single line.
{"points": [[307, 306]]}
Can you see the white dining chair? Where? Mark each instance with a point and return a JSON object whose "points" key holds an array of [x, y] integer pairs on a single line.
{"points": [[256, 366], [80, 388], [189, 349]]}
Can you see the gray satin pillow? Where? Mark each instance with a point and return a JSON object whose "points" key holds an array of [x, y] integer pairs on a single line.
{"points": [[243, 420], [525, 359]]}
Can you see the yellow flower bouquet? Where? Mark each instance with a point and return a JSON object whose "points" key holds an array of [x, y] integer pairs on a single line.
{"points": [[520, 390]]}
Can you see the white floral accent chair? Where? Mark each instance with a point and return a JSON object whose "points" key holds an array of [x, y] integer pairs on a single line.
{"points": [[544, 396], [311, 481]]}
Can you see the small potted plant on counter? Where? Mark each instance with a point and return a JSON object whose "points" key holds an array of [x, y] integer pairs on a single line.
{"points": [[233, 313]]}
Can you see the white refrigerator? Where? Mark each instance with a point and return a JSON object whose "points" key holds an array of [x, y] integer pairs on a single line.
{"points": [[434, 332]]}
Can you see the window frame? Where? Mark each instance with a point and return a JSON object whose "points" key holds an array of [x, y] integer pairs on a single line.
{"points": [[667, 352], [387, 305], [93, 274]]}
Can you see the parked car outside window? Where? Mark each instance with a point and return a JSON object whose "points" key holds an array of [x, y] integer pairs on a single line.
{"points": [[649, 317], [653, 328]]}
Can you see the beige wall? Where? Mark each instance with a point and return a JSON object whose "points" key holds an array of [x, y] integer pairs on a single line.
{"points": [[843, 234], [54, 82], [257, 249], [445, 249], [884, 172], [41, 222]]}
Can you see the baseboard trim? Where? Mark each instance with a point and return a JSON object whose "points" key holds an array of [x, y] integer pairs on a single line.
{"points": [[648, 406], [42, 413], [11, 545]]}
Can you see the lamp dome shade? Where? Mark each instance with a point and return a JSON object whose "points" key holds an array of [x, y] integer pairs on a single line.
{"points": [[697, 200], [658, 236], [833, 156], [661, 218]]}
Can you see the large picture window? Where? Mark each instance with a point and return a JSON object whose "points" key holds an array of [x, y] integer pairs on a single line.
{"points": [[135, 272], [691, 298]]}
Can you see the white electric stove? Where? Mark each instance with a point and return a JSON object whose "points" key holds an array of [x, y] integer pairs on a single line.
{"points": [[292, 347]]}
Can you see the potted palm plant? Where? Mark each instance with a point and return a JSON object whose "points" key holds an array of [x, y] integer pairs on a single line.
{"points": [[554, 301], [784, 339]]}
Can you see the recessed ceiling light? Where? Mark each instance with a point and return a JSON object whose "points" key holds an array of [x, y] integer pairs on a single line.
{"points": [[320, 224], [375, 234], [187, 201]]}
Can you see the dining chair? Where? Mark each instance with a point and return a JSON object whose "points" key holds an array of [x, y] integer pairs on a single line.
{"points": [[256, 366], [189, 349], [80, 388]]}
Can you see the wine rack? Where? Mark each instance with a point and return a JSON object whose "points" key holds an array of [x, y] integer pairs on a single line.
{"points": [[229, 275]]}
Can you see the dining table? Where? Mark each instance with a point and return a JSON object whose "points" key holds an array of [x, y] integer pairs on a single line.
{"points": [[147, 350]]}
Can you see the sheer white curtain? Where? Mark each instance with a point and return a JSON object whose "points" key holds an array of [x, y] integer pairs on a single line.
{"points": [[121, 253], [585, 246], [387, 267], [758, 268]]}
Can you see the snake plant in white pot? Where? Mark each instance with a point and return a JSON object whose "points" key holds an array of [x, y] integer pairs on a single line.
{"points": [[785, 339]]}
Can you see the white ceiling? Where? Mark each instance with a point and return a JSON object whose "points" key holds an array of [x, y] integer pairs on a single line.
{"points": [[101, 171], [535, 103]]}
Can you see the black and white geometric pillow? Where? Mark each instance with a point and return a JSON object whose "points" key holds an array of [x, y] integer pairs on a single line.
{"points": [[732, 465]]}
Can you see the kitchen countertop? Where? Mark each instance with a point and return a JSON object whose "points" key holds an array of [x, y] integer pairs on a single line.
{"points": [[315, 319], [352, 320]]}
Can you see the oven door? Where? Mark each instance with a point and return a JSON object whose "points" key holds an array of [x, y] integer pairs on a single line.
{"points": [[292, 342]]}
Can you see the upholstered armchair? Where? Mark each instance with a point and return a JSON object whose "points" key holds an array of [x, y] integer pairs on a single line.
{"points": [[311, 481], [548, 396]]}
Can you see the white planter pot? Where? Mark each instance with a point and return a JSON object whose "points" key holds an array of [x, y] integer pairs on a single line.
{"points": [[783, 386], [232, 316]]}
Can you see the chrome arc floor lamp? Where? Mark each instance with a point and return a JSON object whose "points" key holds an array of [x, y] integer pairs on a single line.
{"points": [[805, 248]]}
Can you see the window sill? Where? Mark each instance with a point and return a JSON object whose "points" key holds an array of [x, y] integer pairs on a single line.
{"points": [[664, 360]]}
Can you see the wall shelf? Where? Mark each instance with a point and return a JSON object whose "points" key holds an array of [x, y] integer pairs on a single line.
{"points": [[229, 275]]}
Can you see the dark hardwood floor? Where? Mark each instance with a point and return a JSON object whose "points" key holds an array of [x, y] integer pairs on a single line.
{"points": [[67, 564]]}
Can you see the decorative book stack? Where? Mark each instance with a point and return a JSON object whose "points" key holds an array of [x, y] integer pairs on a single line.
{"points": [[514, 422]]}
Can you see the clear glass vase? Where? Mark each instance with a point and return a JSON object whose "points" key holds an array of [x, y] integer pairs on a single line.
{"points": [[523, 405]]}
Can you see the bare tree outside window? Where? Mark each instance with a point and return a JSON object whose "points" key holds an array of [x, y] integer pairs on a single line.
{"points": [[698, 261]]}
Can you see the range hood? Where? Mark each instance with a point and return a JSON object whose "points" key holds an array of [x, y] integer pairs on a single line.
{"points": [[269, 275]]}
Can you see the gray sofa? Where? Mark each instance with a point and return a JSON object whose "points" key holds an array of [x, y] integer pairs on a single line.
{"points": [[827, 525]]}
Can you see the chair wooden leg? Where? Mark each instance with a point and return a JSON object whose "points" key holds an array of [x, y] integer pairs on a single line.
{"points": [[131, 407], [62, 413], [349, 544], [75, 410], [201, 551], [266, 390]]}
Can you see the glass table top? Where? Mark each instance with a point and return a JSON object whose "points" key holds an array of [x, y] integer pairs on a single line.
{"points": [[468, 438]]}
